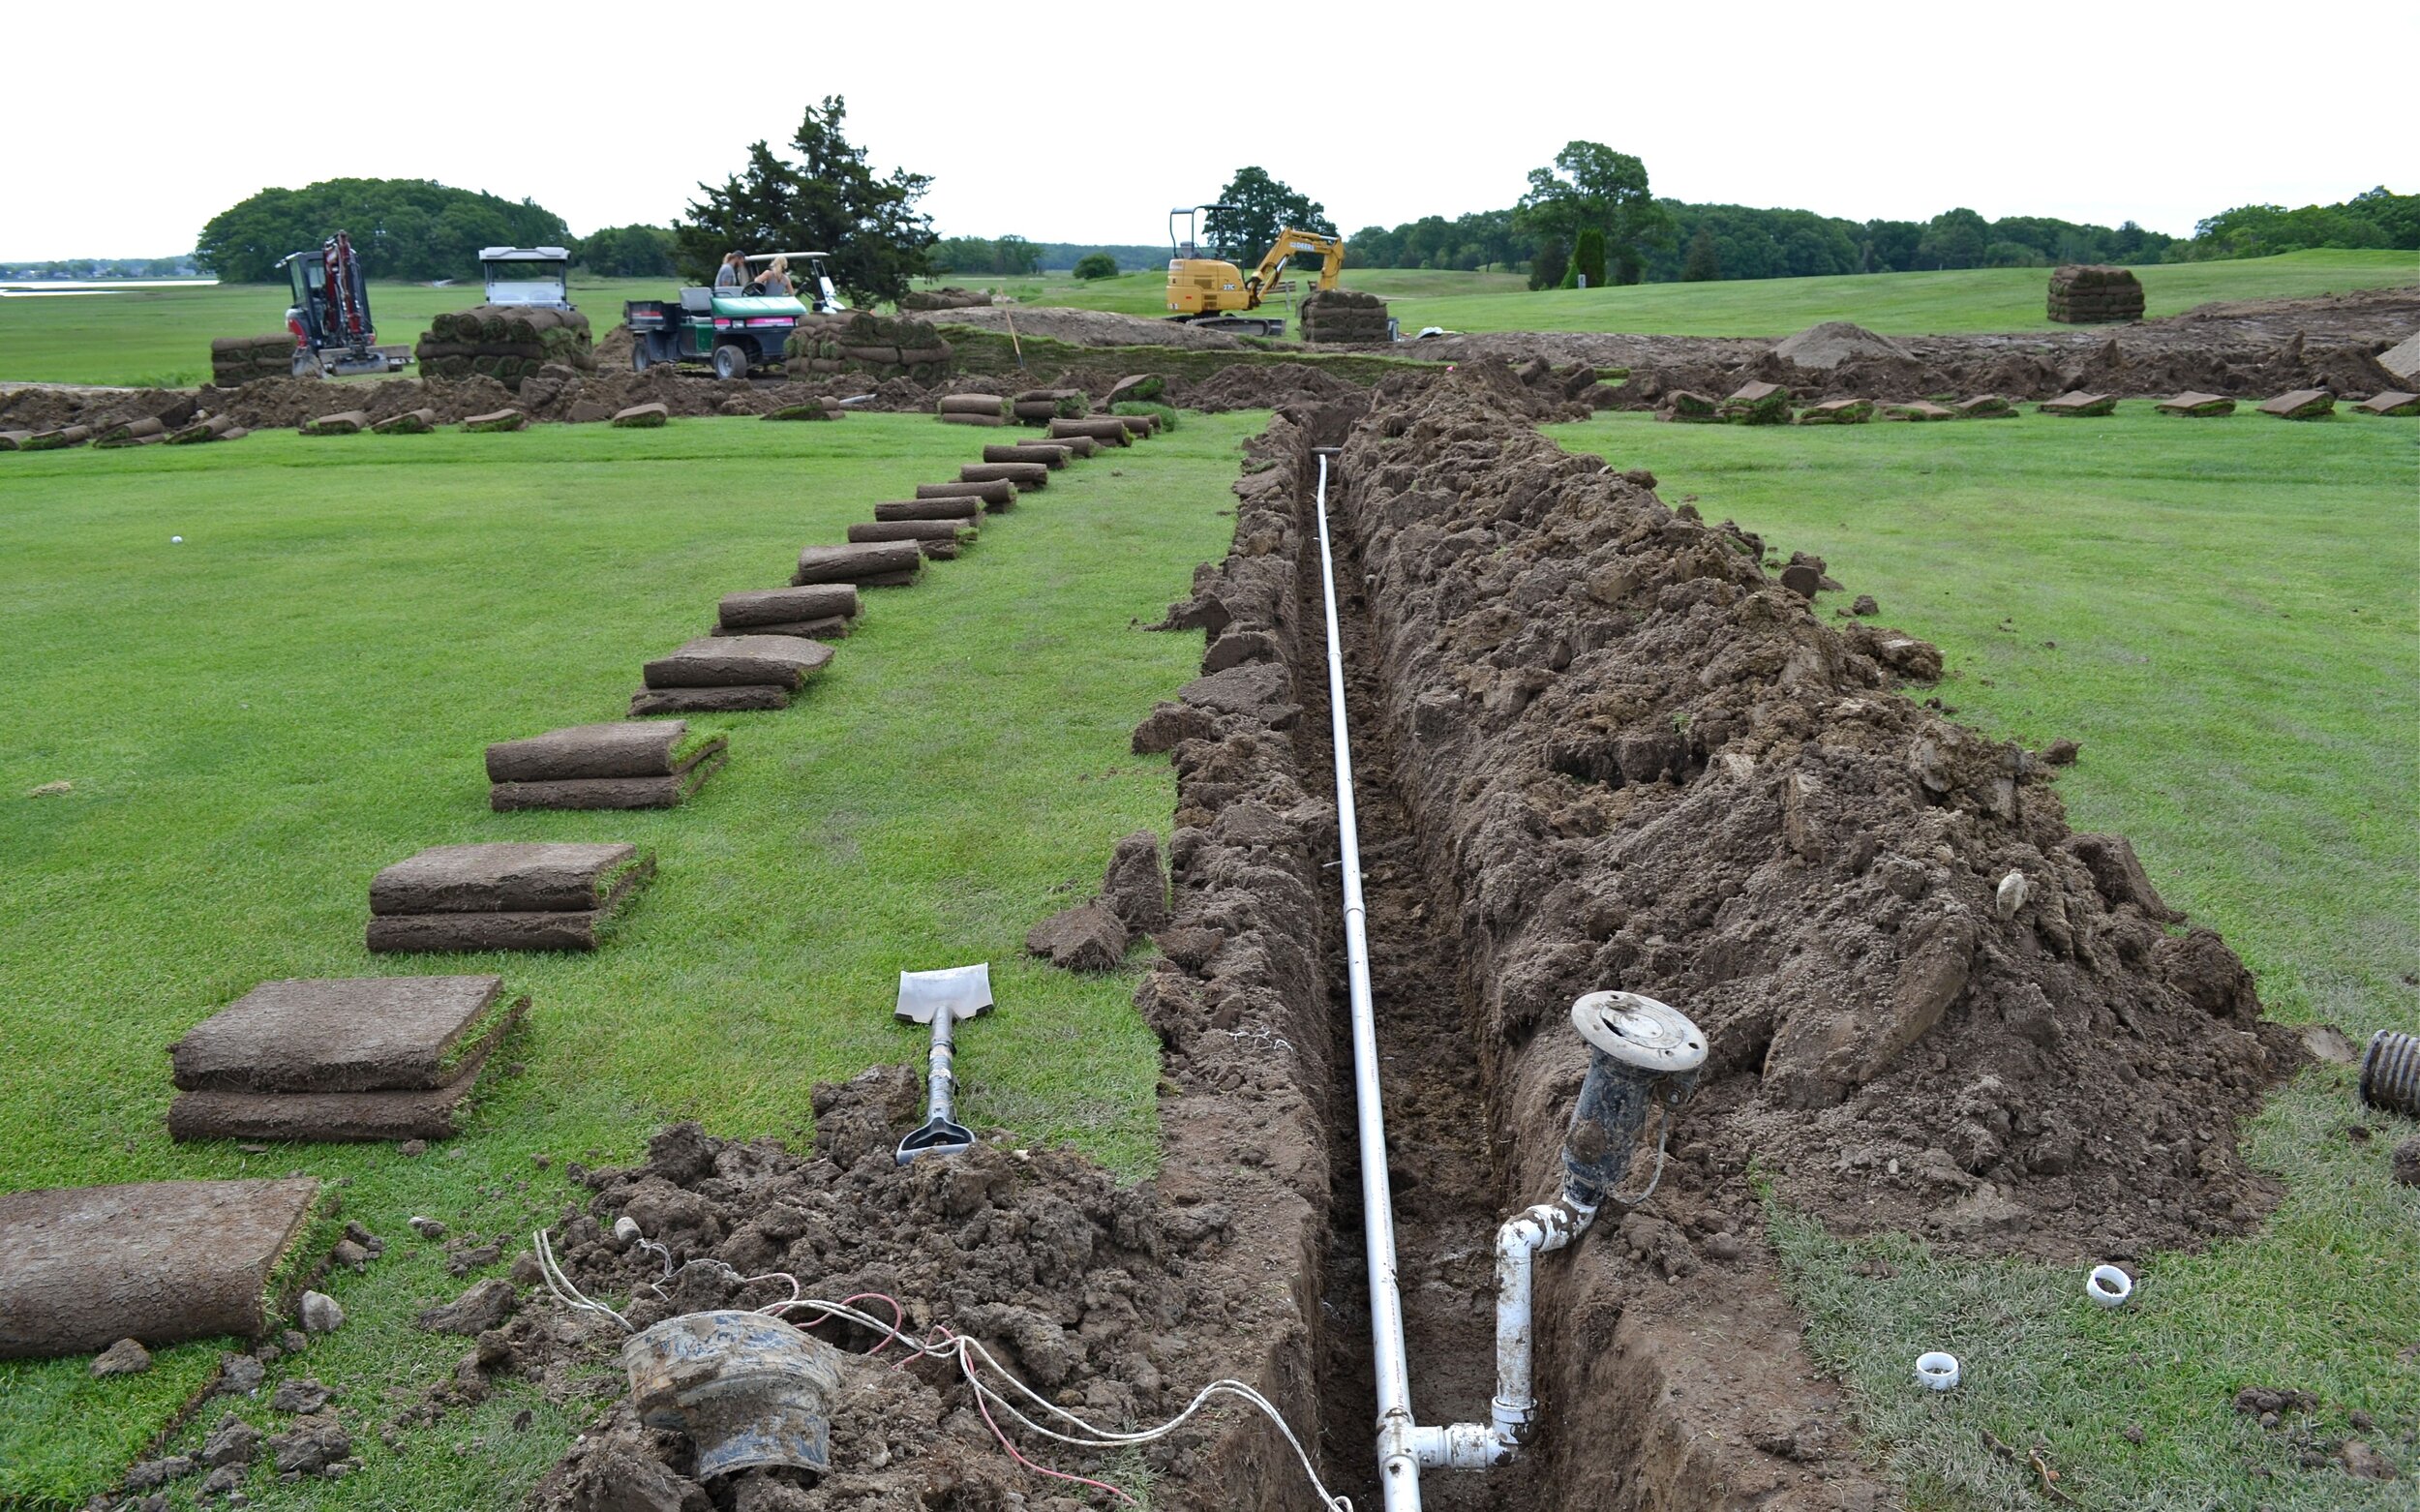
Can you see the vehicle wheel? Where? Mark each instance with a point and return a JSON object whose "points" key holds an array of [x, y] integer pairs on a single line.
{"points": [[639, 361], [731, 363]]}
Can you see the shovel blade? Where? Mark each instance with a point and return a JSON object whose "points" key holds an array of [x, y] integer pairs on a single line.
{"points": [[959, 992]]}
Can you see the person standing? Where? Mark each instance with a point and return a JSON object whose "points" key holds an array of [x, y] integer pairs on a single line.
{"points": [[734, 273]]}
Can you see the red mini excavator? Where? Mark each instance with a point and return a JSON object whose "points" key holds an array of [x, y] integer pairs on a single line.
{"points": [[330, 316]]}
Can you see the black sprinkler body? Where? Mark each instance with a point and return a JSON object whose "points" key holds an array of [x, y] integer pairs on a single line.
{"points": [[1640, 1051]]}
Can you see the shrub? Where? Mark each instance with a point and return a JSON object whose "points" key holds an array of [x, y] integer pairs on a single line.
{"points": [[1096, 264]]}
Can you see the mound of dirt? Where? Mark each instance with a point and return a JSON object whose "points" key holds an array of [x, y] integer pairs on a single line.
{"points": [[1270, 385], [1108, 1299], [1835, 342], [1088, 327], [1646, 765]]}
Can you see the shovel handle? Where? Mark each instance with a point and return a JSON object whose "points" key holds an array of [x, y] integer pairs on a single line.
{"points": [[940, 1070]]}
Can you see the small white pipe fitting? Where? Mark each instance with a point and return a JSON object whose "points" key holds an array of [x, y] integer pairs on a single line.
{"points": [[2109, 1286], [1474, 1446], [1937, 1370]]}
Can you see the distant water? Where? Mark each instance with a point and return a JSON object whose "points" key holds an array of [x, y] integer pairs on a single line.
{"points": [[42, 287]]}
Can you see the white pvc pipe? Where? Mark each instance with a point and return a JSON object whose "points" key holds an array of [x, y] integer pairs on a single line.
{"points": [[1399, 1464]]}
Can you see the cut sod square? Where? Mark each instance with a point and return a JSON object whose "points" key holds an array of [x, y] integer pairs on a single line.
{"points": [[2302, 404], [421, 1113], [346, 1034], [647, 703], [2394, 401], [740, 661], [2198, 404], [511, 878], [162, 1261], [2077, 403], [618, 750]]}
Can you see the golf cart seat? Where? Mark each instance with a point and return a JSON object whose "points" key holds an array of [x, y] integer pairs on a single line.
{"points": [[697, 302]]}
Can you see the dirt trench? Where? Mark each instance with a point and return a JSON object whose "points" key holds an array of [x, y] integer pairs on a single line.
{"points": [[1448, 1176]]}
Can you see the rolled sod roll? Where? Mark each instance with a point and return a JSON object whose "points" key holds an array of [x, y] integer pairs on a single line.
{"points": [[879, 564], [648, 702], [523, 877], [217, 427], [1035, 412], [739, 661], [112, 443], [411, 422], [807, 411], [955, 418], [582, 793], [997, 492], [1075, 445], [1048, 456], [616, 749], [834, 628], [1139, 425], [409, 933], [968, 508], [789, 605], [1024, 474], [345, 422], [497, 420], [54, 439], [642, 417], [1107, 429], [328, 1117], [133, 430], [992, 404], [346, 1034], [14, 441], [943, 547], [162, 1261]]}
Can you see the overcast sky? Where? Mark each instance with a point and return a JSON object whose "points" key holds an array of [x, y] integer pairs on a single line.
{"points": [[128, 127]]}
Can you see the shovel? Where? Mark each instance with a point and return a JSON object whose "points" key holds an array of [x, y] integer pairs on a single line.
{"points": [[941, 998]]}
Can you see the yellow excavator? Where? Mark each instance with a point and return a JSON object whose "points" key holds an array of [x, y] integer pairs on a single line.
{"points": [[1209, 292]]}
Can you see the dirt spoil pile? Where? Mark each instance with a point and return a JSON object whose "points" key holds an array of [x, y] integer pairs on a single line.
{"points": [[1101, 1295], [1646, 765]]}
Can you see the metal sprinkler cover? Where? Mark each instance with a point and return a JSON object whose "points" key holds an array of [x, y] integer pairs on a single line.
{"points": [[1638, 1031]]}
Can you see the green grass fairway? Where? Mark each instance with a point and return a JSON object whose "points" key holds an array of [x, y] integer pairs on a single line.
{"points": [[2223, 612], [160, 337], [258, 719], [1896, 304]]}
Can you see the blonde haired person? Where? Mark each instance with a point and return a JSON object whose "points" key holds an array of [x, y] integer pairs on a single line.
{"points": [[775, 279]]}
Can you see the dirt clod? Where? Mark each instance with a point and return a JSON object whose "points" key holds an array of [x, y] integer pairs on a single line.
{"points": [[1088, 937], [481, 1308], [126, 1357], [233, 1442], [2407, 1162], [312, 1445]]}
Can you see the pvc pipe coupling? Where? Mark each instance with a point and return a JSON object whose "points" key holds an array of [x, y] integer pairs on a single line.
{"points": [[1937, 1370], [2108, 1286]]}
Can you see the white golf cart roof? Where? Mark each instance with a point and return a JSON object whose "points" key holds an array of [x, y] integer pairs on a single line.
{"points": [[768, 256], [523, 255]]}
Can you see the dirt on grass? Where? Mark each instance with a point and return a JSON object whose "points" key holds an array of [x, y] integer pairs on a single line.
{"points": [[1117, 1302]]}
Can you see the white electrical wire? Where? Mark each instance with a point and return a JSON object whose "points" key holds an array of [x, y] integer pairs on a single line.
{"points": [[964, 1349]]}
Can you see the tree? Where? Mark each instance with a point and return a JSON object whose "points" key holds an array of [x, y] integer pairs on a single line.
{"points": [[627, 252], [1953, 239], [1704, 266], [1257, 209], [1587, 256], [1549, 265], [1591, 185], [822, 197], [401, 228], [1096, 264]]}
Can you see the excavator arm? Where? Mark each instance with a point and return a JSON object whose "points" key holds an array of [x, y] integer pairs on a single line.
{"points": [[1331, 250]]}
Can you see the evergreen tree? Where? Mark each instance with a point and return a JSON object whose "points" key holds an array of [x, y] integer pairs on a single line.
{"points": [[1547, 268], [1587, 256], [1703, 266], [822, 197]]}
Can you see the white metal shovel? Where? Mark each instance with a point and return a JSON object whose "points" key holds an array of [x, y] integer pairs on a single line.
{"points": [[941, 998]]}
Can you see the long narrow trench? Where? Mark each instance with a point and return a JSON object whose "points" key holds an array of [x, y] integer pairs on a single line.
{"points": [[1447, 1178]]}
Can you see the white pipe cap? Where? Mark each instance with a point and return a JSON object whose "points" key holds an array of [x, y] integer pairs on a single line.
{"points": [[1937, 1370]]}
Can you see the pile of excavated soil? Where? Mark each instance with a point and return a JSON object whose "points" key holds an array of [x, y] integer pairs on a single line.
{"points": [[1646, 765], [1087, 327], [1111, 1301], [1267, 386]]}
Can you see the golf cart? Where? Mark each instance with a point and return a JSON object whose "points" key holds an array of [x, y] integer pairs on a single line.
{"points": [[731, 331], [527, 276]]}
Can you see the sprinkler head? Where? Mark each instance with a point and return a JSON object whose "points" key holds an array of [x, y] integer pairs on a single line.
{"points": [[1639, 1051]]}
